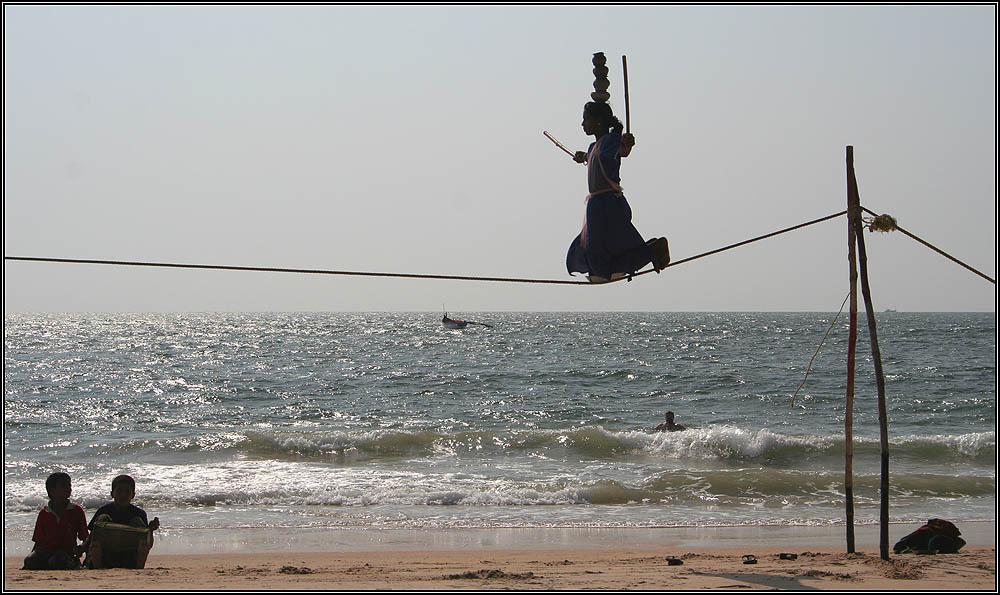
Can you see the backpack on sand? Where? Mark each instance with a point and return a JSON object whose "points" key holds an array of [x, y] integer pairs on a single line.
{"points": [[938, 536]]}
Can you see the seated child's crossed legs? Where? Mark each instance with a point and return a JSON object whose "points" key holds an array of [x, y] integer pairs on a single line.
{"points": [[99, 559], [50, 560]]}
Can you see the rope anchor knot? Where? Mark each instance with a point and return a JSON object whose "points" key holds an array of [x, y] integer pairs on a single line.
{"points": [[882, 223]]}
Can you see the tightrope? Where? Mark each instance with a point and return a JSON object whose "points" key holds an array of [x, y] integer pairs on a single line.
{"points": [[219, 267], [745, 242], [394, 275]]}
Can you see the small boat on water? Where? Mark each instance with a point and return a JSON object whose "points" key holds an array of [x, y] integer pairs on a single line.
{"points": [[452, 323]]}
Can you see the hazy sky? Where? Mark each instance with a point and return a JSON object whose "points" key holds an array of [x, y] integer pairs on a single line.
{"points": [[409, 139]]}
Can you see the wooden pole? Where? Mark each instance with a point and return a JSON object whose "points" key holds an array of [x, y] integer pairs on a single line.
{"points": [[628, 121], [853, 221], [883, 421]]}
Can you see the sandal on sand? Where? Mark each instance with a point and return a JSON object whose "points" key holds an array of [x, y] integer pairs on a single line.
{"points": [[674, 561], [661, 253], [787, 556], [749, 559]]}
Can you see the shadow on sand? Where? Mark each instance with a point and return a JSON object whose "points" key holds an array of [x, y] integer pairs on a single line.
{"points": [[784, 583]]}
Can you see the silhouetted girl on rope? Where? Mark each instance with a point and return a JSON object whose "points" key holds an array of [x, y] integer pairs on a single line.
{"points": [[609, 247]]}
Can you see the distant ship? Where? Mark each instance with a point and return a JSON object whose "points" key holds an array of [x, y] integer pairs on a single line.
{"points": [[451, 323]]}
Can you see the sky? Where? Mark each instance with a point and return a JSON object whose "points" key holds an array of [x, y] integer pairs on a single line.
{"points": [[409, 139]]}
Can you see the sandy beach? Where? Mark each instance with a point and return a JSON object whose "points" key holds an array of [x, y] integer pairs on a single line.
{"points": [[468, 561], [633, 569]]}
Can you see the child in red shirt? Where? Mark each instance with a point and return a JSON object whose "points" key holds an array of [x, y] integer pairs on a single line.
{"points": [[57, 528]]}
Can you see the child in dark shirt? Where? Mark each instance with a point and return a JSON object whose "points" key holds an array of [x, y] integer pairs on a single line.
{"points": [[123, 512], [57, 528]]}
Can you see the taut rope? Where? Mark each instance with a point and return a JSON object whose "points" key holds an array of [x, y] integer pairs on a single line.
{"points": [[895, 227], [468, 277], [395, 275]]}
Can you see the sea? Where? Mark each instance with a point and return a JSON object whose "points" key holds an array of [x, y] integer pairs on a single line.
{"points": [[237, 422]]}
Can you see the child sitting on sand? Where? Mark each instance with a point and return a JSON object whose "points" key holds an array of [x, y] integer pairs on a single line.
{"points": [[58, 526], [100, 554]]}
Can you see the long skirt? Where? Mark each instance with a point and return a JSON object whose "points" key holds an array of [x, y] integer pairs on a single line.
{"points": [[612, 244]]}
